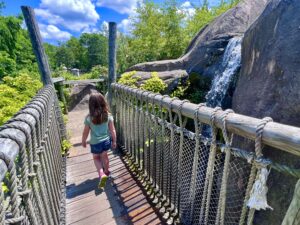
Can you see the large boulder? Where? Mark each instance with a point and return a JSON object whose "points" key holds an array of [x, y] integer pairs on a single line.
{"points": [[269, 85], [79, 97], [205, 51]]}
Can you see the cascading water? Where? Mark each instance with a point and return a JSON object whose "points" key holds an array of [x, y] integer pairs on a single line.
{"points": [[230, 64]]}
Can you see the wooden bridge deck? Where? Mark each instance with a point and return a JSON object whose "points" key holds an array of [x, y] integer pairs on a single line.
{"points": [[122, 201]]}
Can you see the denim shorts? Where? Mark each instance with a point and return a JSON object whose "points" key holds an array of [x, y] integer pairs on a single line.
{"points": [[101, 146]]}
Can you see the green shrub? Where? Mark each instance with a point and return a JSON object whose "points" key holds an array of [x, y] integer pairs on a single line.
{"points": [[7, 65], [180, 90], [95, 73], [66, 145], [15, 92], [154, 84], [129, 79]]}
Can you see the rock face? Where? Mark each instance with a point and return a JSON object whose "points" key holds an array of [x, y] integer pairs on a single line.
{"points": [[269, 85], [205, 51], [79, 97]]}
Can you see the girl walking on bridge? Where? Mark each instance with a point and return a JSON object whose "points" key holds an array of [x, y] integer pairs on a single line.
{"points": [[100, 124]]}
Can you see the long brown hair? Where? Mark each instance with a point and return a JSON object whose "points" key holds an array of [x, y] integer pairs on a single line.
{"points": [[98, 108]]}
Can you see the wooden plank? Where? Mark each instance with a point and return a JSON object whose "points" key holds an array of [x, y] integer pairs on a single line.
{"points": [[121, 202], [84, 81]]}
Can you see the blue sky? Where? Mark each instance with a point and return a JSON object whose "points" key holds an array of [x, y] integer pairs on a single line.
{"points": [[60, 19]]}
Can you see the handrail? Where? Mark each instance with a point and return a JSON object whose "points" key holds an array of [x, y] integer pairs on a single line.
{"points": [[280, 136], [84, 81], [57, 79], [62, 79], [197, 179], [30, 153]]}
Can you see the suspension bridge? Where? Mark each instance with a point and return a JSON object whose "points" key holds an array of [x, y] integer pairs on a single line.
{"points": [[165, 171]]}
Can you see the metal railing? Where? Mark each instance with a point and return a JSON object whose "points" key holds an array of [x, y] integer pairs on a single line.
{"points": [[32, 168], [193, 178]]}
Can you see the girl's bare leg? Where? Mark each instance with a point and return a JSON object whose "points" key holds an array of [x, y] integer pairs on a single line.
{"points": [[98, 164], [105, 161]]}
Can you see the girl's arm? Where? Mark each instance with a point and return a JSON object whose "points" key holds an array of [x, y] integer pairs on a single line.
{"points": [[112, 131], [85, 134]]}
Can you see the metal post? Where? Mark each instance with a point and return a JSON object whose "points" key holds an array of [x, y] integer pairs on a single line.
{"points": [[111, 59], [37, 45]]}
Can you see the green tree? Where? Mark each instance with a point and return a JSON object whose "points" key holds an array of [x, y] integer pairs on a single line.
{"points": [[96, 49], [15, 47], [78, 53], [122, 53], [7, 65], [51, 52], [147, 39], [64, 56], [25, 58], [9, 28], [175, 38]]}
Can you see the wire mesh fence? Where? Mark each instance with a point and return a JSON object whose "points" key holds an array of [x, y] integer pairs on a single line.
{"points": [[190, 178], [32, 170]]}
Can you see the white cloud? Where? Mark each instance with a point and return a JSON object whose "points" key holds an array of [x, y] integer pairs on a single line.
{"points": [[74, 15], [121, 6], [187, 9], [51, 32], [125, 26], [104, 25]]}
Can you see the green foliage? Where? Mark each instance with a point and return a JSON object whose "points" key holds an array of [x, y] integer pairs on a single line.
{"points": [[162, 31], [7, 65], [129, 79], [157, 34], [96, 72], [66, 119], [95, 49], [15, 48], [4, 188], [194, 89], [84, 53], [62, 106], [66, 145], [15, 93], [154, 84], [180, 90]]}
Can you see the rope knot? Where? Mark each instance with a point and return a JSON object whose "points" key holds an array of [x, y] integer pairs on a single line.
{"points": [[258, 194], [228, 140]]}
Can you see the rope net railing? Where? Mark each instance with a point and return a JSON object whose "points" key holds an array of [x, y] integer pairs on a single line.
{"points": [[32, 169], [193, 178]]}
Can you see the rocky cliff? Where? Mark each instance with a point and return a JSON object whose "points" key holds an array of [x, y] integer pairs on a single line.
{"points": [[269, 85]]}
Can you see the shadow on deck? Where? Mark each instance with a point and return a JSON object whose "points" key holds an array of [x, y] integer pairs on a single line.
{"points": [[121, 202]]}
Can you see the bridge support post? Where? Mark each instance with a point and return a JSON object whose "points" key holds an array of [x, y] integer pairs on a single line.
{"points": [[111, 60], [37, 44], [42, 59]]}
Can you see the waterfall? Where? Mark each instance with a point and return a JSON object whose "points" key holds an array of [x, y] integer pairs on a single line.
{"points": [[231, 62]]}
